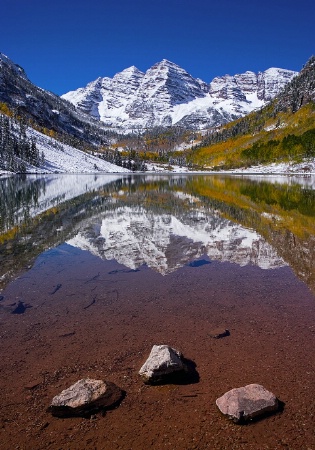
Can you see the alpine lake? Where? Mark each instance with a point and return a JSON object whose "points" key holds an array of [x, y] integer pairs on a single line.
{"points": [[96, 269]]}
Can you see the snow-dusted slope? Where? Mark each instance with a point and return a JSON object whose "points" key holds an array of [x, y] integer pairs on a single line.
{"points": [[62, 158], [134, 236], [306, 167], [166, 95]]}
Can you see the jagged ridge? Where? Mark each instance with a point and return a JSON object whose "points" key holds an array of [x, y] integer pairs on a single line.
{"points": [[166, 95]]}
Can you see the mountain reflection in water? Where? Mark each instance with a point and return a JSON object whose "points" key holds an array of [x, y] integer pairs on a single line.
{"points": [[165, 222]]}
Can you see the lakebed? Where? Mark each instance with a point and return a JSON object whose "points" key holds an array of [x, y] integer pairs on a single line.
{"points": [[135, 262]]}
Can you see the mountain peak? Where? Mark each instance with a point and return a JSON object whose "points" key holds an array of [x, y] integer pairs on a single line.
{"points": [[131, 70], [165, 63], [128, 76]]}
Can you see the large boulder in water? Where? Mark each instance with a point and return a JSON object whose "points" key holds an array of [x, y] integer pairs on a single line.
{"points": [[84, 398], [248, 402], [162, 364]]}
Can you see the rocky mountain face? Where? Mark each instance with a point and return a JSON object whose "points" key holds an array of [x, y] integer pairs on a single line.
{"points": [[300, 91], [167, 95], [6, 62], [44, 108]]}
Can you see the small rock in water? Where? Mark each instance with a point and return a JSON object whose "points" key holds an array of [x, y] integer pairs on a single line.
{"points": [[84, 398], [55, 289], [248, 402], [33, 384], [67, 334], [219, 333], [1, 298], [162, 362]]}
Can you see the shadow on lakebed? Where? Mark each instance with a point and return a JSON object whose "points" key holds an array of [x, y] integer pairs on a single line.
{"points": [[184, 377]]}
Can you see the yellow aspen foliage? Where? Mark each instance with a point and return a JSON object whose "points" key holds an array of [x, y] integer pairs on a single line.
{"points": [[4, 109]]}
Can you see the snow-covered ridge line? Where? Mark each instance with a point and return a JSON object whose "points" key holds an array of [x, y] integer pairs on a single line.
{"points": [[166, 95]]}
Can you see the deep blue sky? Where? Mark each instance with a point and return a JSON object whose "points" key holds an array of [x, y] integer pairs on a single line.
{"points": [[64, 44]]}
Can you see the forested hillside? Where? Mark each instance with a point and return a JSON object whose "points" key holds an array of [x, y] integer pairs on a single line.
{"points": [[16, 148]]}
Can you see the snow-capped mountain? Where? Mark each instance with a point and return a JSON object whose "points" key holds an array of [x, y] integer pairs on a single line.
{"points": [[165, 242], [167, 95]]}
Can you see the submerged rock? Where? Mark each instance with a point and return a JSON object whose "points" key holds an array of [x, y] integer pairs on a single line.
{"points": [[248, 402], [219, 333], [84, 398], [162, 363], [33, 384]]}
